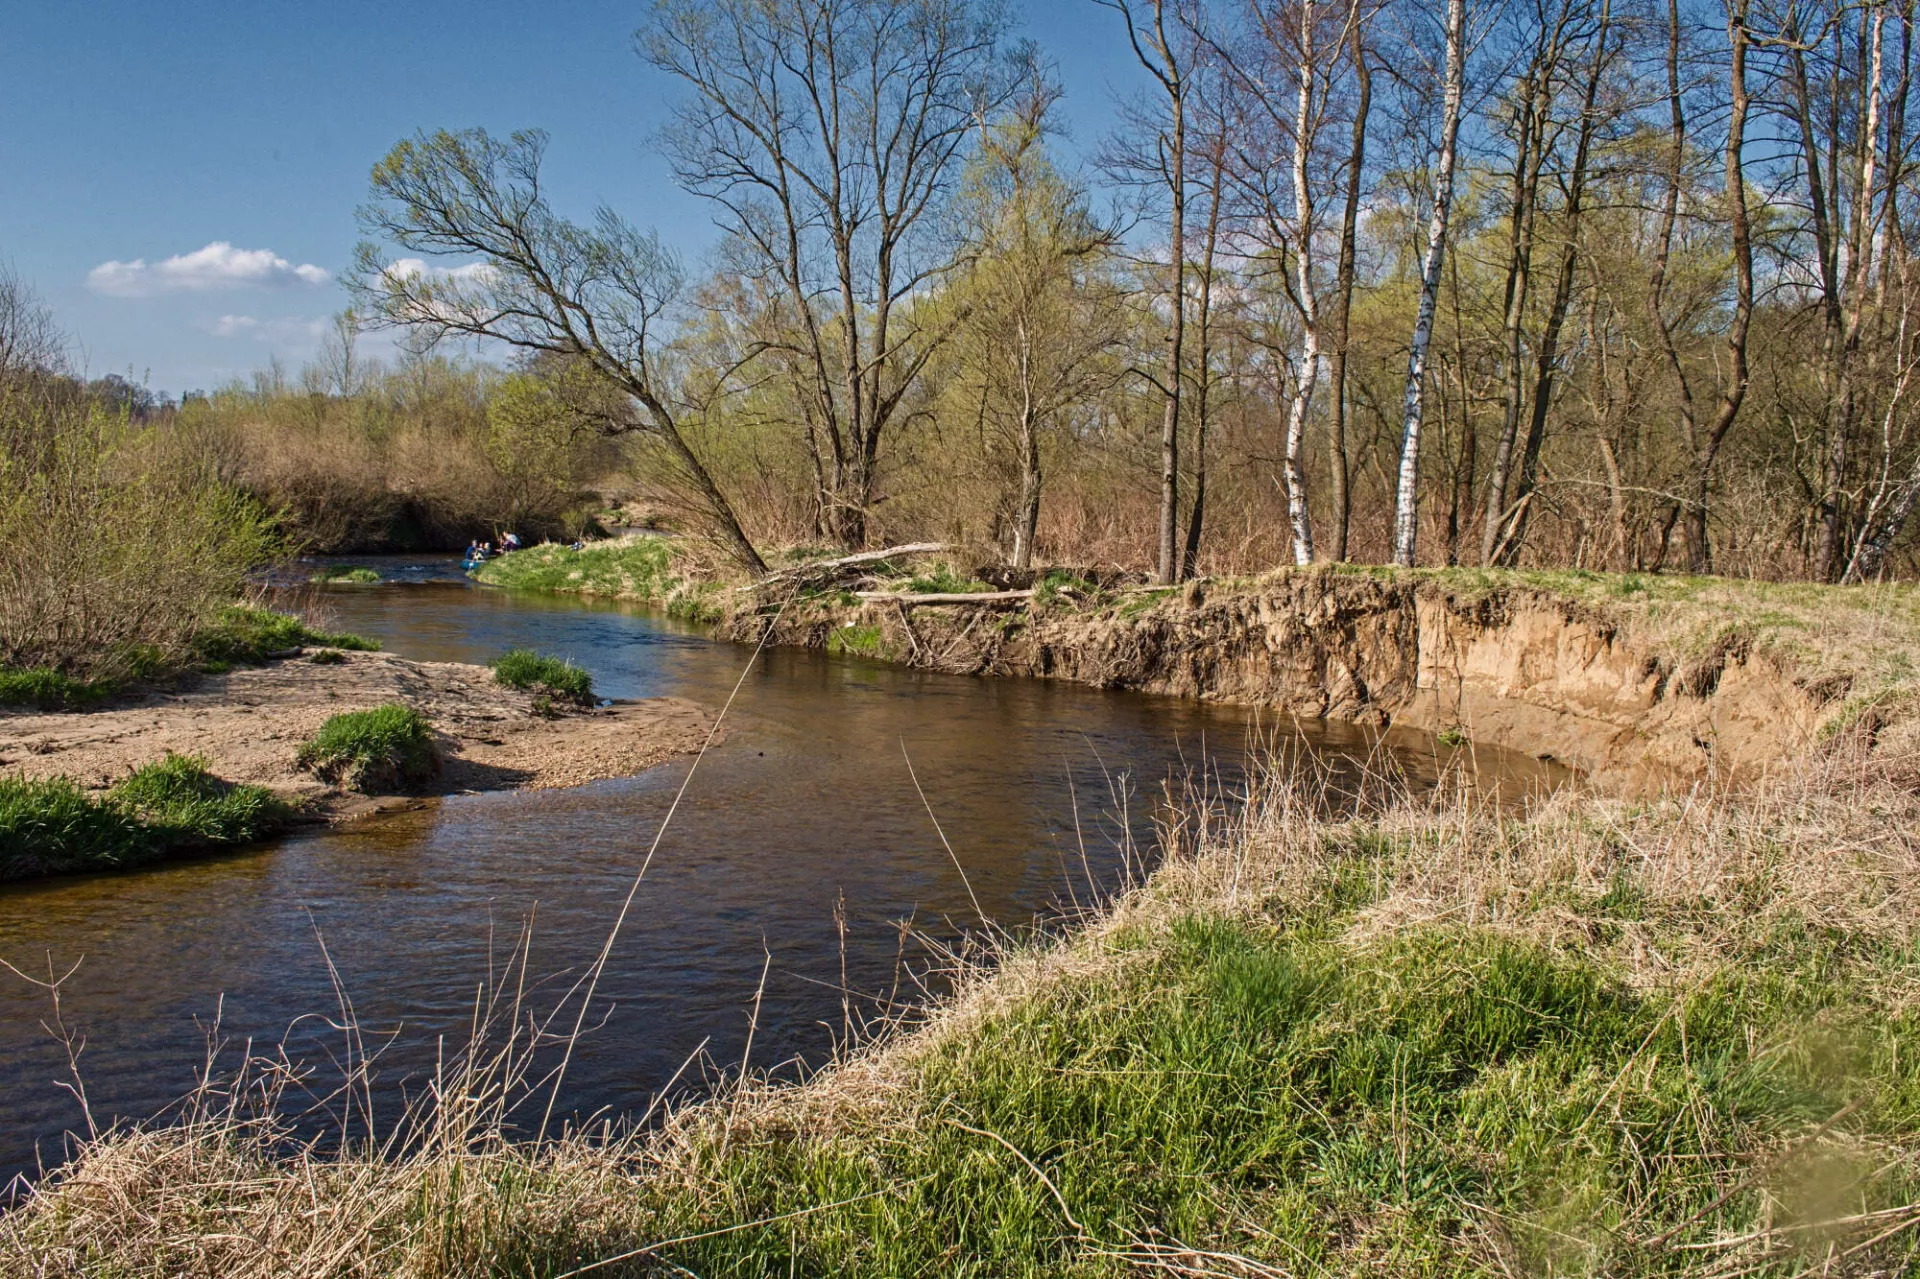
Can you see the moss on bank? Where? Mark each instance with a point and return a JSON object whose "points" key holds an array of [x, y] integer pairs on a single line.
{"points": [[174, 805], [1599, 1039]]}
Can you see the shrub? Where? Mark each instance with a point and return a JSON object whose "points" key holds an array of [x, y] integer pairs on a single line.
{"points": [[356, 574], [115, 541], [44, 688], [532, 672], [387, 748], [51, 826]]}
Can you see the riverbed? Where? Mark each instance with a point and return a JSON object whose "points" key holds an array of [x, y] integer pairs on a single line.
{"points": [[800, 850]]}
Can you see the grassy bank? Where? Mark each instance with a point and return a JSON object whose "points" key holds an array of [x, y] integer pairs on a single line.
{"points": [[1435, 1039], [172, 806]]}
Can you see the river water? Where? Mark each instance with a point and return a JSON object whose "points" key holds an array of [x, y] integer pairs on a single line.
{"points": [[800, 849]]}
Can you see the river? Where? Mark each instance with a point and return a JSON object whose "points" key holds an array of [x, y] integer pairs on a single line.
{"points": [[805, 816]]}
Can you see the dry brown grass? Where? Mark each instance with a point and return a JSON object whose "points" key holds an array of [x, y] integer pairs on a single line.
{"points": [[1664, 896]]}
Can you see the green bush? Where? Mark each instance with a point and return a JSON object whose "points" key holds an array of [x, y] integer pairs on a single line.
{"points": [[245, 635], [354, 574], [532, 672], [385, 749], [51, 826], [44, 688]]}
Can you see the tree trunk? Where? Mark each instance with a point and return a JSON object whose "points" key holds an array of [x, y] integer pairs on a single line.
{"points": [[1344, 271], [1406, 505], [1734, 388], [1527, 164]]}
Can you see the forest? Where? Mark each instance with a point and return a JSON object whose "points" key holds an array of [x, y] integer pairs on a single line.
{"points": [[1617, 285]]}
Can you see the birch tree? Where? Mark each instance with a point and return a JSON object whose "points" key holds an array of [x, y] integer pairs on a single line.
{"points": [[1406, 517]]}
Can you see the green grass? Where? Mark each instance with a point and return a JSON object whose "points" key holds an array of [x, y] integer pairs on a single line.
{"points": [[53, 826], [1280, 1094], [552, 676], [185, 805], [944, 579], [43, 688], [630, 568], [248, 636], [351, 574], [384, 749], [858, 641]]}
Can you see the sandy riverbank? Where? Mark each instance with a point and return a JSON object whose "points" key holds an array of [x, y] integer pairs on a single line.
{"points": [[249, 725]]}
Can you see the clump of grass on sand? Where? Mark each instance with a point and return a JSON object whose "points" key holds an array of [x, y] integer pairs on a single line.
{"points": [[549, 677], [174, 805], [1428, 1037], [43, 688], [345, 574], [245, 635], [385, 749]]}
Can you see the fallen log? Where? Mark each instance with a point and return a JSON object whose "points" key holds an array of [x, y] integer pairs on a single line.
{"points": [[938, 597]]}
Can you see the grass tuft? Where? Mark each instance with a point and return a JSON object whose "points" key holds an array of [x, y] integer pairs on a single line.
{"points": [[345, 574], [387, 748], [52, 826], [43, 688], [555, 678], [248, 636], [637, 567], [187, 806]]}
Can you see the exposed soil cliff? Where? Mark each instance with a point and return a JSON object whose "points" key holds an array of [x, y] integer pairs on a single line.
{"points": [[1512, 666]]}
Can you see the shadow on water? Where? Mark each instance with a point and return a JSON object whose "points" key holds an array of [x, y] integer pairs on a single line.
{"points": [[808, 803]]}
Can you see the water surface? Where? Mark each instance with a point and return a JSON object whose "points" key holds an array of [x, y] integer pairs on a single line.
{"points": [[805, 816]]}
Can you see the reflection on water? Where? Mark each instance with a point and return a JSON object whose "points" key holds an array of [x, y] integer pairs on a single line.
{"points": [[808, 803]]}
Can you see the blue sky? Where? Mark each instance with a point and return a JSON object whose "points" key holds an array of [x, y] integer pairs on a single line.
{"points": [[133, 132]]}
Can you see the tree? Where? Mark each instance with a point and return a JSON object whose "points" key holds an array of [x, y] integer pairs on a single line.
{"points": [[597, 295], [829, 133], [1286, 78], [1406, 506], [1036, 322], [1170, 57]]}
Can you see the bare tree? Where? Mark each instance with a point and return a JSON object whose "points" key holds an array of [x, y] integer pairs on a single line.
{"points": [[1164, 45], [827, 132], [1345, 274], [30, 341], [1406, 520], [1036, 328], [596, 294]]}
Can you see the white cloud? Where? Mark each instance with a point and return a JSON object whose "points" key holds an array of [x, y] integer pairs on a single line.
{"points": [[291, 330], [217, 266], [466, 273]]}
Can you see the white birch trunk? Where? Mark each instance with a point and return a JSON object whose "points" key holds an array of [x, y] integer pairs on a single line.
{"points": [[1309, 372], [1406, 506]]}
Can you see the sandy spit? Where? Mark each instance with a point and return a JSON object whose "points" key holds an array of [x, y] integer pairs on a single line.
{"points": [[250, 725]]}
